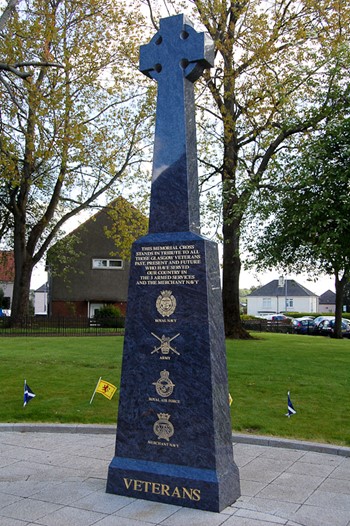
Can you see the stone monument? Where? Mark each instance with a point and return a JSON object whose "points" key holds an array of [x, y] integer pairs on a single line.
{"points": [[174, 442]]}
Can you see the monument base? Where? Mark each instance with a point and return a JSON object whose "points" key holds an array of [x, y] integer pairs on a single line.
{"points": [[203, 489]]}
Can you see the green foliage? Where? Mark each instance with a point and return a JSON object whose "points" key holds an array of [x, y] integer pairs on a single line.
{"points": [[308, 226], [73, 118], [110, 316]]}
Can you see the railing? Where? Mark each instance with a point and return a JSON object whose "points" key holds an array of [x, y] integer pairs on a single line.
{"points": [[61, 326], [263, 325]]}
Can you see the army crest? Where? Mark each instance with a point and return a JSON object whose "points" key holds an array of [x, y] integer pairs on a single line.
{"points": [[163, 428], [166, 303], [164, 386]]}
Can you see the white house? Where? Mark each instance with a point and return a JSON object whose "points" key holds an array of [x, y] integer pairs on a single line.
{"points": [[327, 302], [40, 300], [281, 295]]}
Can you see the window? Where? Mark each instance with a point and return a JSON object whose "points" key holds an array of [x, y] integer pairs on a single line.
{"points": [[266, 303], [289, 303], [107, 263]]}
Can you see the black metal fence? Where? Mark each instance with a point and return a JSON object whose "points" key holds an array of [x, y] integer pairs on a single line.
{"points": [[61, 326], [263, 325]]}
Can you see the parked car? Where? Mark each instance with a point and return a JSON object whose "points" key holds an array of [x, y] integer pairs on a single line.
{"points": [[326, 328], [318, 320], [303, 325]]}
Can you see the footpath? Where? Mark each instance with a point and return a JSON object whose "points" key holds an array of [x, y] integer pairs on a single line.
{"points": [[56, 476]]}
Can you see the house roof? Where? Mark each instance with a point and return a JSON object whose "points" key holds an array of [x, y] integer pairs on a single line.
{"points": [[290, 287], [7, 266], [327, 298], [43, 288]]}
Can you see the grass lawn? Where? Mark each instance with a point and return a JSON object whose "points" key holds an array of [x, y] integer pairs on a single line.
{"points": [[63, 372]]}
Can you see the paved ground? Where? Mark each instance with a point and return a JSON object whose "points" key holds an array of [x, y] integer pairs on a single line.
{"points": [[58, 479]]}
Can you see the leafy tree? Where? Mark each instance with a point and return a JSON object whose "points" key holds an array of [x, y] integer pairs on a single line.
{"points": [[71, 122], [281, 68], [309, 225]]}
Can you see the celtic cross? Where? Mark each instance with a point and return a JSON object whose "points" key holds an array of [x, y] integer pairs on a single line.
{"points": [[175, 57]]}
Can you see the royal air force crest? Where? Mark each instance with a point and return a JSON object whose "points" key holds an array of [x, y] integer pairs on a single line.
{"points": [[166, 303], [164, 386]]}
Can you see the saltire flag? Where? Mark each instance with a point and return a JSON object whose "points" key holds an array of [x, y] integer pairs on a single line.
{"points": [[104, 388], [28, 394], [291, 410]]}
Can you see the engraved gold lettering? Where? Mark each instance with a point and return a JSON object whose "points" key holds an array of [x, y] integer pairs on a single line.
{"points": [[156, 488], [138, 485], [196, 494], [176, 493], [187, 493], [165, 490], [127, 483]]}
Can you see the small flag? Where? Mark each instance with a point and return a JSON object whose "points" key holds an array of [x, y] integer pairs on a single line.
{"points": [[28, 394], [230, 399], [291, 410], [104, 388]]}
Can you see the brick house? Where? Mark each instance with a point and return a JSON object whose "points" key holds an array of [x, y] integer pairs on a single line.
{"points": [[95, 275], [7, 277]]}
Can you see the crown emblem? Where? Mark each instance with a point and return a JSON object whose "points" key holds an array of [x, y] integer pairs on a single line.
{"points": [[163, 428]]}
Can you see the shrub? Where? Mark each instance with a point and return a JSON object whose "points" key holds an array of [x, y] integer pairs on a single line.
{"points": [[110, 316]]}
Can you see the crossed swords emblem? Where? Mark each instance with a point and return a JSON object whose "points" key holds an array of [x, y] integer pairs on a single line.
{"points": [[165, 346]]}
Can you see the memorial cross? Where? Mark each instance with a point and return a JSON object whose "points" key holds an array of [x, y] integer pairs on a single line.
{"points": [[175, 57]]}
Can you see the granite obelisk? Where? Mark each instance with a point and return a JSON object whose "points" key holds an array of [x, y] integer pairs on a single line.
{"points": [[173, 442]]}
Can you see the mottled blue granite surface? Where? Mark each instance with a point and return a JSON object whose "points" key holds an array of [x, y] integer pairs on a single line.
{"points": [[173, 439], [195, 363]]}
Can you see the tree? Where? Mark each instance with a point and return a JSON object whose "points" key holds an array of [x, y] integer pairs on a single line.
{"points": [[279, 71], [71, 123], [309, 225]]}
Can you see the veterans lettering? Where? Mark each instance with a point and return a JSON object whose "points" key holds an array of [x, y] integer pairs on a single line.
{"points": [[162, 489]]}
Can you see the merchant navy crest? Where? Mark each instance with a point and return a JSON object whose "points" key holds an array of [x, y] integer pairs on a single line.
{"points": [[166, 303], [163, 428], [164, 386]]}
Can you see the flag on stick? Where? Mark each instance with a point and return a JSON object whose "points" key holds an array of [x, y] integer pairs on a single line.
{"points": [[28, 394], [291, 410], [104, 388]]}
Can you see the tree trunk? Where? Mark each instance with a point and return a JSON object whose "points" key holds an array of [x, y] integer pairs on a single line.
{"points": [[23, 274], [339, 296], [230, 289]]}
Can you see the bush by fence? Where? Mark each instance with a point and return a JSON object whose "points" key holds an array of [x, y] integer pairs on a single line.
{"points": [[61, 326]]}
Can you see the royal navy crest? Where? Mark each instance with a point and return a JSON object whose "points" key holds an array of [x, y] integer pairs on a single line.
{"points": [[164, 386], [163, 428], [166, 303]]}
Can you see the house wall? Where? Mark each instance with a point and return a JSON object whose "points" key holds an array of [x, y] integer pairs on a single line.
{"points": [[7, 287], [74, 290], [259, 305], [79, 309], [325, 307], [40, 303]]}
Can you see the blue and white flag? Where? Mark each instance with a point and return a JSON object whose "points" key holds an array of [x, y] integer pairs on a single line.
{"points": [[291, 410], [28, 394]]}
